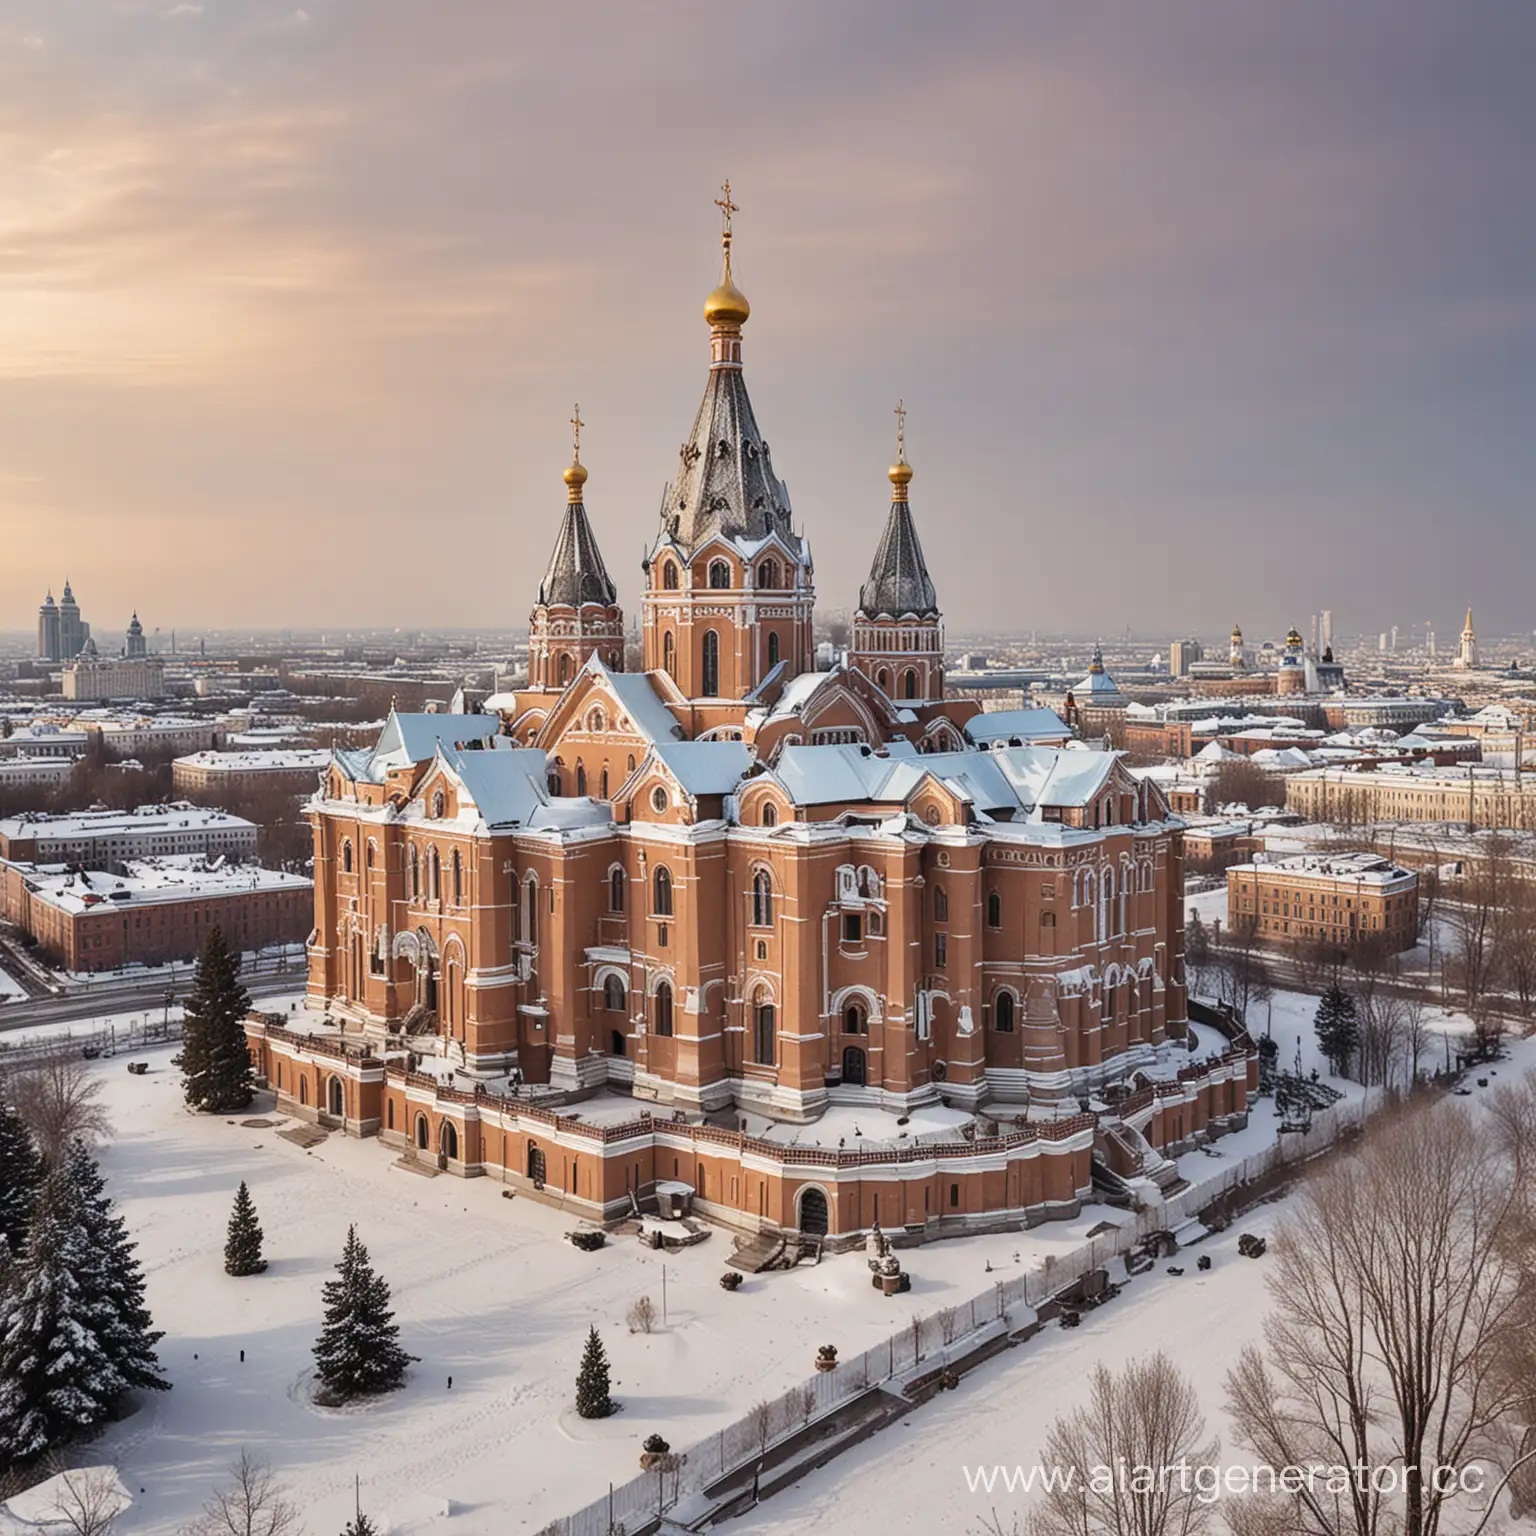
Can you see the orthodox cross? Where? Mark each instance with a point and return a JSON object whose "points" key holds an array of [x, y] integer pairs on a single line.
{"points": [[901, 432], [727, 208], [576, 425]]}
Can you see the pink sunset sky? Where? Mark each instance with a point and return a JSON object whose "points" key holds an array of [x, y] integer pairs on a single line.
{"points": [[1200, 312]]}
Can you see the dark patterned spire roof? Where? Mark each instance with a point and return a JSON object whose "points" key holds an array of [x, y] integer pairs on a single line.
{"points": [[576, 573], [898, 580], [725, 482]]}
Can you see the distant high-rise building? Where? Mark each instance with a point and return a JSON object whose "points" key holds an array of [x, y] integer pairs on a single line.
{"points": [[1326, 637], [1182, 654], [48, 630], [135, 645], [1315, 631], [61, 633], [1394, 639], [1381, 643]]}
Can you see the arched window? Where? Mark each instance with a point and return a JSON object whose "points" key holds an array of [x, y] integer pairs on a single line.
{"points": [[661, 1008], [773, 649], [661, 891], [368, 857], [940, 904], [438, 803], [763, 1028], [565, 668], [415, 873], [669, 576], [458, 879], [770, 815], [762, 899], [581, 777], [909, 683], [669, 654], [1002, 1013], [768, 573], [616, 884], [434, 876], [531, 911], [346, 856], [711, 679], [855, 1020], [719, 575], [883, 681], [602, 787], [994, 910], [614, 999]]}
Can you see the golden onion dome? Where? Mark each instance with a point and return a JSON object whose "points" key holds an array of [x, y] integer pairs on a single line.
{"points": [[900, 473], [575, 476], [727, 305]]}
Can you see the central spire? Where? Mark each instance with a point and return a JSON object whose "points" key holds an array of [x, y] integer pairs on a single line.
{"points": [[726, 309]]}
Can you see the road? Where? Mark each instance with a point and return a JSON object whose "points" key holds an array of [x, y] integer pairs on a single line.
{"points": [[132, 997]]}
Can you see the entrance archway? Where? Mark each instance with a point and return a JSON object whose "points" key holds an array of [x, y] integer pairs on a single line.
{"points": [[617, 1046], [813, 1213], [337, 1097], [853, 1067], [303, 1090], [536, 1164], [423, 1136], [450, 1141]]}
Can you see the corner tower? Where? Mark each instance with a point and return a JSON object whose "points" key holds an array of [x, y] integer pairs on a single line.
{"points": [[898, 631], [728, 592], [577, 613]]}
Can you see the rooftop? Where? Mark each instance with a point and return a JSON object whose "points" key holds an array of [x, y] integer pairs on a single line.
{"points": [[268, 760], [105, 824], [1359, 868], [150, 881]]}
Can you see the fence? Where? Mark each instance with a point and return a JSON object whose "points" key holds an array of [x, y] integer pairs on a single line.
{"points": [[628, 1507], [107, 1040]]}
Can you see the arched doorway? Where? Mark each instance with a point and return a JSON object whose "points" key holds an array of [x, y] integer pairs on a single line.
{"points": [[853, 1067], [303, 1090], [423, 1136], [536, 1164], [336, 1098], [450, 1141], [617, 1046], [813, 1213]]}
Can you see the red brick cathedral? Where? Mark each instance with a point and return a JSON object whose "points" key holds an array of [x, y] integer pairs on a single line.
{"points": [[786, 934]]}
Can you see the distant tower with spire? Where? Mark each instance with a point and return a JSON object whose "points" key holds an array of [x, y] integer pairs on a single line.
{"points": [[898, 631], [1237, 658], [48, 638], [1467, 655], [577, 614], [134, 644]]}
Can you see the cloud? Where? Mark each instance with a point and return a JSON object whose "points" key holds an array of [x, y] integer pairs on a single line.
{"points": [[1171, 293]]}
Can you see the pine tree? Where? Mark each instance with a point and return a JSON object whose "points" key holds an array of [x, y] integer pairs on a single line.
{"points": [[1338, 1028], [112, 1279], [358, 1352], [57, 1380], [592, 1398], [361, 1526], [215, 1064], [21, 1173], [242, 1248]]}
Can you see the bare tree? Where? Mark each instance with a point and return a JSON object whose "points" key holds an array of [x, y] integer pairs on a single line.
{"points": [[760, 1416], [1241, 782], [1515, 937], [1144, 1422], [949, 1324], [59, 1097], [87, 1500], [642, 1315], [254, 1504], [1415, 1034], [1243, 975], [1398, 1295], [1472, 953]]}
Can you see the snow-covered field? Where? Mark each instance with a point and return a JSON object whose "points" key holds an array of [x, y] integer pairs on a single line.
{"points": [[486, 1292]]}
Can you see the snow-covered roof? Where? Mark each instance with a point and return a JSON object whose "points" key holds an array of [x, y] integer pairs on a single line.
{"points": [[148, 882], [259, 761], [409, 739], [1020, 727], [141, 821], [644, 706], [705, 767]]}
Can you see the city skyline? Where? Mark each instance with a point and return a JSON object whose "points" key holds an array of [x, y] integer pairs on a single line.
{"points": [[295, 300]]}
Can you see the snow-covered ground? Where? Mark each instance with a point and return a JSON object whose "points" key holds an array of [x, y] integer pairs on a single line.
{"points": [[486, 1292], [10, 988]]}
